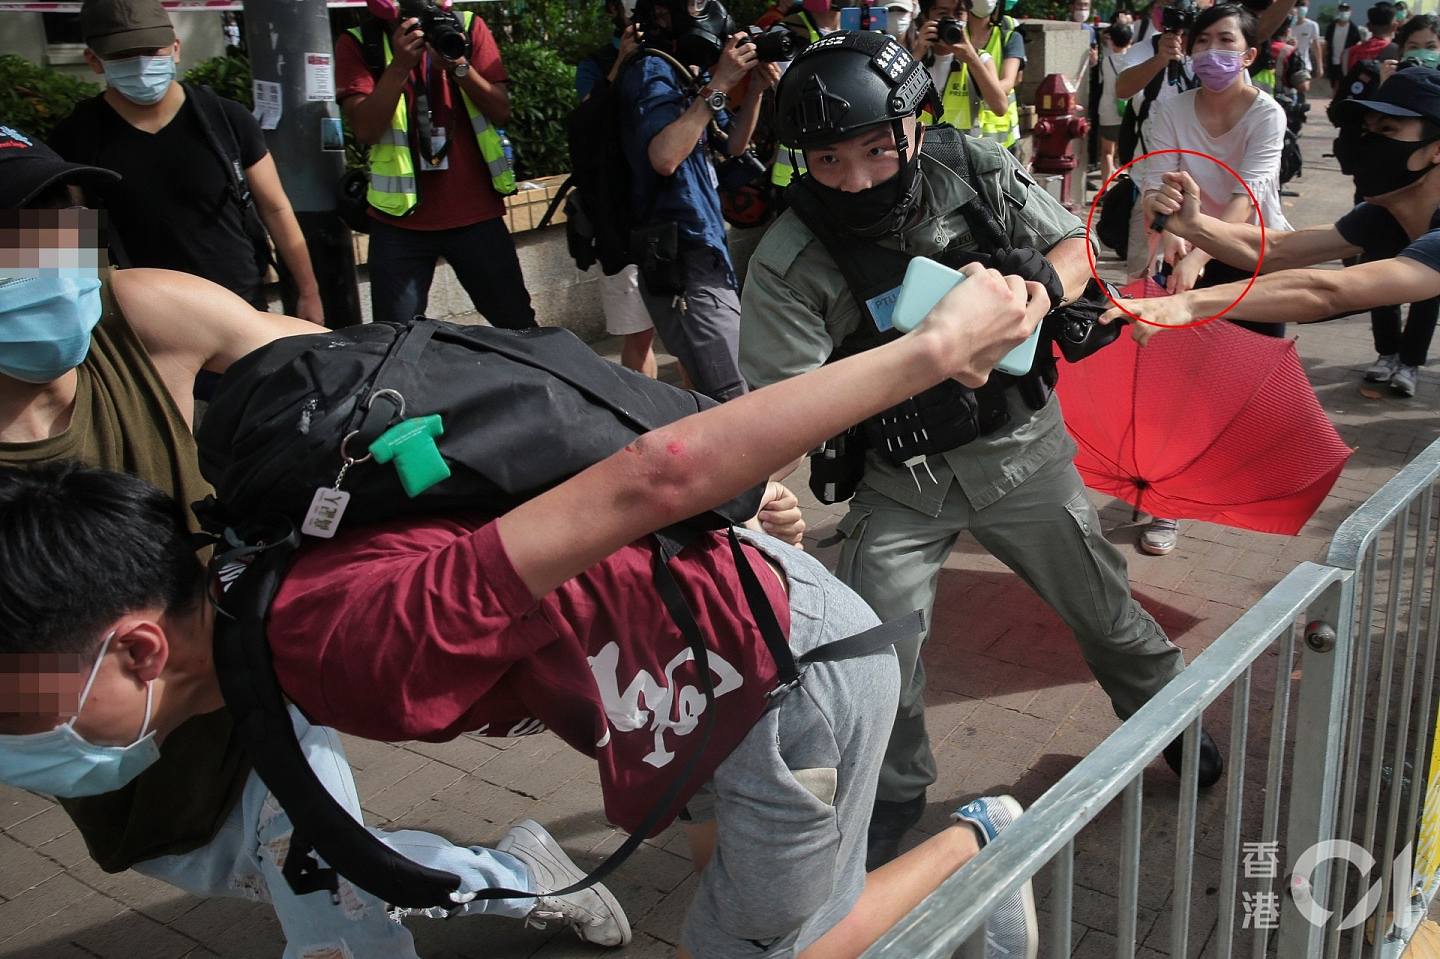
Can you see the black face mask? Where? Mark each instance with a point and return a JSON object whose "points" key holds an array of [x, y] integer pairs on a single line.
{"points": [[881, 210], [1380, 166]]}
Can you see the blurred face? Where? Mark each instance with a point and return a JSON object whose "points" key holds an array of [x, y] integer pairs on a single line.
{"points": [[944, 10], [55, 234], [1124, 16], [862, 161], [1224, 35], [97, 63], [1080, 11], [1421, 40], [39, 692]]}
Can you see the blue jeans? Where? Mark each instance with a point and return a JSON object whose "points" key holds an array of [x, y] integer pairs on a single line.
{"points": [[247, 855], [402, 266]]}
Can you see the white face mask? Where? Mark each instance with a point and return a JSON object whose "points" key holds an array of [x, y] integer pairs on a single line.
{"points": [[1343, 16], [982, 8], [897, 23]]}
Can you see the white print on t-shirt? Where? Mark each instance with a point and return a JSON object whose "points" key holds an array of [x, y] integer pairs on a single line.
{"points": [[667, 710]]}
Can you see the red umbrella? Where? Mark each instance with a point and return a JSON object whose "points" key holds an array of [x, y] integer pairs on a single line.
{"points": [[1209, 422]]}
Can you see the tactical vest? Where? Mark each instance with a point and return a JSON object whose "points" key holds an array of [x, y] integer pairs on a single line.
{"points": [[948, 415], [955, 98], [788, 161], [393, 189]]}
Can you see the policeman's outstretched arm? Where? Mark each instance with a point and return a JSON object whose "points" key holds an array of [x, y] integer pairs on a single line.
{"points": [[1294, 296], [703, 460]]}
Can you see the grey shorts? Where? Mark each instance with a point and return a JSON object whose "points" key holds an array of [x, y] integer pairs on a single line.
{"points": [[792, 803]]}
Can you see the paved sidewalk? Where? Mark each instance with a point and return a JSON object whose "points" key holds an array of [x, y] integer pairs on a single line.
{"points": [[1012, 708]]}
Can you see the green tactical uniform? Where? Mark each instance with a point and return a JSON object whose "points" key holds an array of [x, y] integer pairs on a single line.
{"points": [[1015, 490]]}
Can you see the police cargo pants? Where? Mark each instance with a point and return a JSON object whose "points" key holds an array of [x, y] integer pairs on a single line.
{"points": [[1048, 532]]}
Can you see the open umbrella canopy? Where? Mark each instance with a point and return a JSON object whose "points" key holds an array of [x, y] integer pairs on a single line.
{"points": [[1209, 422]]}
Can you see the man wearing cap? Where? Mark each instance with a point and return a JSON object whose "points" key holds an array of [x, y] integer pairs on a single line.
{"points": [[1340, 35], [178, 205], [1395, 232], [94, 368], [995, 461]]}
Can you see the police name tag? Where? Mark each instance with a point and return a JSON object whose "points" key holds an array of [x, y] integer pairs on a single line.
{"points": [[882, 308]]}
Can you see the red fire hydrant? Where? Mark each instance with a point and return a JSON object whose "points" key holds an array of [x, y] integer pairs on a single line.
{"points": [[1057, 123]]}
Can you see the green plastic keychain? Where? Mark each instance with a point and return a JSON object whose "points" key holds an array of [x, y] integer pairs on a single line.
{"points": [[411, 444]]}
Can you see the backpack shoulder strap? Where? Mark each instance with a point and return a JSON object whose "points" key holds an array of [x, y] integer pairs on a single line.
{"points": [[226, 146], [951, 147]]}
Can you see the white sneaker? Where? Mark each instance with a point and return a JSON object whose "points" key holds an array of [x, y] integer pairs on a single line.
{"points": [[1384, 368], [1159, 537], [1403, 382], [593, 913], [1012, 930]]}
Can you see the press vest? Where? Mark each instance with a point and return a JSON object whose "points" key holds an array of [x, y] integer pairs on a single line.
{"points": [[785, 167], [393, 162], [955, 98]]}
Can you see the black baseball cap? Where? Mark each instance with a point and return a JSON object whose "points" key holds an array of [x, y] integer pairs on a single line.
{"points": [[117, 26], [1411, 92], [28, 167]]}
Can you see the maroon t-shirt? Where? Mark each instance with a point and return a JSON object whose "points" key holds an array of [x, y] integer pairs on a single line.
{"points": [[463, 194], [424, 630]]}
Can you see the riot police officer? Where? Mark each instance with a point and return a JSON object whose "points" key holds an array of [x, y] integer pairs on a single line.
{"points": [[881, 189]]}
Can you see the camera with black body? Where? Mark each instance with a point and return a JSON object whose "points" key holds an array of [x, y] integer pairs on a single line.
{"points": [[1179, 17], [442, 27], [950, 30], [775, 45]]}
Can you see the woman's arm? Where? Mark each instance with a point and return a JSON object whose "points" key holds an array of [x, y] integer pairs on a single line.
{"points": [[696, 463]]}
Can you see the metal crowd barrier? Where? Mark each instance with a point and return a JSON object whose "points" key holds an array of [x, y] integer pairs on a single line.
{"points": [[1341, 793]]}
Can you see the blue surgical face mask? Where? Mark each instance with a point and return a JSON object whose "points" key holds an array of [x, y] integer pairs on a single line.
{"points": [[142, 80], [45, 322], [63, 763]]}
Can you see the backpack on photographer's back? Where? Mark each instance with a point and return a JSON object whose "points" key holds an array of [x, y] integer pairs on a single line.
{"points": [[598, 214]]}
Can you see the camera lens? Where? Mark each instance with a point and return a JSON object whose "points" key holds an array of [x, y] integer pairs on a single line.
{"points": [[950, 31]]}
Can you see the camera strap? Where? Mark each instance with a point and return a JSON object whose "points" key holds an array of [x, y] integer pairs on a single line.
{"points": [[424, 115]]}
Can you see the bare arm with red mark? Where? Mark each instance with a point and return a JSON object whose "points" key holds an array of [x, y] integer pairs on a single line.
{"points": [[703, 460]]}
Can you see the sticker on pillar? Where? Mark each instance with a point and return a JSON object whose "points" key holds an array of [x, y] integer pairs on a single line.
{"points": [[332, 137], [319, 77], [266, 94]]}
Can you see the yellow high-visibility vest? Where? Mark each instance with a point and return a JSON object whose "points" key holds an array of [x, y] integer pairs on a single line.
{"points": [[955, 98], [783, 171], [392, 161]]}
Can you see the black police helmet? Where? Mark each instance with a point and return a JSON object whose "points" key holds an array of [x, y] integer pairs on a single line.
{"points": [[847, 82]]}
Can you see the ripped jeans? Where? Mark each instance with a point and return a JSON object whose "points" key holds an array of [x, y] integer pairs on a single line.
{"points": [[246, 857]]}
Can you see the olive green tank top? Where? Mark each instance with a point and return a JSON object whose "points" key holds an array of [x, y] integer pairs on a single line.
{"points": [[125, 420]]}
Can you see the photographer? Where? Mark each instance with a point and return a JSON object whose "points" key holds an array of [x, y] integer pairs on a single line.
{"points": [[428, 107], [686, 275], [975, 66]]}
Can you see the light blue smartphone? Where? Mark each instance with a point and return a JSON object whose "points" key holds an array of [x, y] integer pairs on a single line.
{"points": [[925, 283]]}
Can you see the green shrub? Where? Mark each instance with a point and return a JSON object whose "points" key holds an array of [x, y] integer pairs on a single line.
{"points": [[34, 99], [228, 76], [542, 94], [572, 29]]}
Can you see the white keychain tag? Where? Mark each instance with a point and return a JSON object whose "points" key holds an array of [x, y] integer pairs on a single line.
{"points": [[322, 519]]}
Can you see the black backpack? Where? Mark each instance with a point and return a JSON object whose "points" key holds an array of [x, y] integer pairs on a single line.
{"points": [[522, 410], [596, 194], [1113, 224]]}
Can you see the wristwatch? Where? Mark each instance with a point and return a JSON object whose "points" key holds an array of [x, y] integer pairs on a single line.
{"points": [[715, 99], [460, 69]]}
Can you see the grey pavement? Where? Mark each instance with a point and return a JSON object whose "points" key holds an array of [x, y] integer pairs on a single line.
{"points": [[1012, 708]]}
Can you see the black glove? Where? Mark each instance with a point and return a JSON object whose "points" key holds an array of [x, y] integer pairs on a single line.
{"points": [[1032, 265]]}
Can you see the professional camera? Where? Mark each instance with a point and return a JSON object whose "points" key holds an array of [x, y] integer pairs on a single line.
{"points": [[775, 45], [1179, 17], [441, 27], [950, 31]]}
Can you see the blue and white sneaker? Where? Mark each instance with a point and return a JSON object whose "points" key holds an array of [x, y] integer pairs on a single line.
{"points": [[1011, 931]]}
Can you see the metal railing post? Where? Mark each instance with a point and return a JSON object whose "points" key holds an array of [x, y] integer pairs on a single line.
{"points": [[1319, 748]]}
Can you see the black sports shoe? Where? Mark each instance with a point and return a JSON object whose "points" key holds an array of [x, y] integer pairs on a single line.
{"points": [[1212, 764], [889, 822]]}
